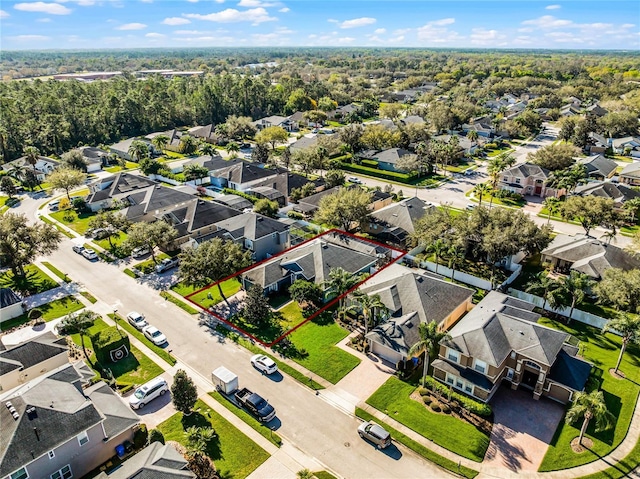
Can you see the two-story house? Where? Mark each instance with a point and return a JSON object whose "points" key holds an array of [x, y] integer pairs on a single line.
{"points": [[412, 297], [500, 340], [57, 426], [263, 236], [396, 222], [43, 167], [528, 179], [284, 122]]}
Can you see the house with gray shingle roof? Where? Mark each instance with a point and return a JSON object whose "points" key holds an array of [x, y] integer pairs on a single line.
{"points": [[598, 166], [44, 166], [58, 426], [395, 223], [157, 461], [528, 179], [587, 255], [412, 297], [310, 261], [263, 236], [630, 174], [628, 143], [500, 340], [26, 361], [619, 193], [10, 304]]}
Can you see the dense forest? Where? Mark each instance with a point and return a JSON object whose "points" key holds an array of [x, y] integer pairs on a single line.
{"points": [[56, 116]]}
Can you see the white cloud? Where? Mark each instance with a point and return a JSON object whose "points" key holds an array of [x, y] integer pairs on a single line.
{"points": [[231, 15], [380, 31], [189, 32], [401, 31], [82, 3], [627, 25], [483, 37], [398, 39], [42, 7], [146, 1], [284, 10], [358, 22], [345, 40], [436, 31], [132, 26], [192, 1], [4, 14], [284, 31], [548, 21], [333, 20], [175, 21], [255, 3], [30, 38], [43, 20], [552, 7], [155, 35]]}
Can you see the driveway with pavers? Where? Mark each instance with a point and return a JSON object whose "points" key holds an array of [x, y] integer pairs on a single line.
{"points": [[522, 430]]}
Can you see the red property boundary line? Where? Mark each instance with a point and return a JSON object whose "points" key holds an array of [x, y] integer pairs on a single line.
{"points": [[402, 254]]}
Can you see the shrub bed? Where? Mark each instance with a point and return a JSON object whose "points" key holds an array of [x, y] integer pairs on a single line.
{"points": [[476, 407], [386, 175], [370, 163], [229, 191]]}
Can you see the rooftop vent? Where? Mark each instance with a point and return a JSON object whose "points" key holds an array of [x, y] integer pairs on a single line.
{"points": [[32, 413]]}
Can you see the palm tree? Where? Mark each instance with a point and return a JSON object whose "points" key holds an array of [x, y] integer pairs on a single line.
{"points": [[340, 281], [79, 323], [207, 149], [160, 142], [31, 154], [546, 287], [438, 247], [590, 406], [233, 147], [456, 255], [610, 235], [188, 144], [633, 206], [138, 150], [629, 328], [472, 135], [368, 305], [574, 286], [552, 204], [480, 190], [198, 439], [430, 337]]}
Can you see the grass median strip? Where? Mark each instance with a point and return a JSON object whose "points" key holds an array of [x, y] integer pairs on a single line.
{"points": [[57, 272], [89, 297], [180, 304], [263, 430], [57, 226], [122, 322], [418, 448]]}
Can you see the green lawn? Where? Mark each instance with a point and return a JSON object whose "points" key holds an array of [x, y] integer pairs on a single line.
{"points": [[629, 230], [134, 369], [418, 448], [458, 436], [260, 427], [129, 165], [57, 226], [89, 297], [50, 311], [77, 222], [57, 272], [35, 280], [234, 454], [620, 395], [318, 338], [116, 247], [210, 296], [499, 151], [161, 352], [621, 469], [180, 304], [149, 266]]}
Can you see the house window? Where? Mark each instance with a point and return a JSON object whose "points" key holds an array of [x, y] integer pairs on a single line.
{"points": [[20, 474], [480, 366], [52, 454], [509, 375], [459, 383], [518, 181], [449, 379], [453, 356], [506, 179], [468, 388], [64, 473], [248, 243], [83, 438], [531, 364], [513, 354]]}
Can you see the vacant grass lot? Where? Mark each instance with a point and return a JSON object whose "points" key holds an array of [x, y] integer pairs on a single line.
{"points": [[458, 436], [210, 296], [134, 369], [35, 281], [234, 454], [620, 395]]}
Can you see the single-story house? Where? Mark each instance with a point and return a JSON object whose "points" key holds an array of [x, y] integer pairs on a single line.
{"points": [[387, 159], [311, 261], [241, 175], [630, 174], [173, 135], [344, 111], [500, 340], [268, 193], [598, 166], [10, 304], [206, 133], [630, 144], [310, 204], [121, 148], [528, 179], [104, 191], [587, 255], [395, 223], [596, 110], [95, 157], [465, 145], [304, 143], [619, 193]]}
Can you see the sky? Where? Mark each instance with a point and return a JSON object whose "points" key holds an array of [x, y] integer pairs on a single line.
{"points": [[91, 24]]}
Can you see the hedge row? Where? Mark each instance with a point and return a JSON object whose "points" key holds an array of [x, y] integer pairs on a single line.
{"points": [[229, 191], [370, 163], [385, 175], [476, 407]]}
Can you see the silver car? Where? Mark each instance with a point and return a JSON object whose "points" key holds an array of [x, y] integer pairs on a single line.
{"points": [[375, 434]]}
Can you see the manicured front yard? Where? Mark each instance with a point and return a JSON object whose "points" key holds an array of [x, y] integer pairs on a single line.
{"points": [[234, 454], [50, 311], [458, 436], [35, 281], [57, 272], [210, 296], [77, 222], [136, 368], [115, 248], [620, 394]]}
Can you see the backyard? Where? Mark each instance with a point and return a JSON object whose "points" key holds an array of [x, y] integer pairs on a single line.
{"points": [[233, 453], [393, 398], [620, 395]]}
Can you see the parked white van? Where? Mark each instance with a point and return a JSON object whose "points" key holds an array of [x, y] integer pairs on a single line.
{"points": [[148, 392]]}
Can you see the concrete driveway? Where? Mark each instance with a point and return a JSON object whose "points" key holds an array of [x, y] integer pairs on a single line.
{"points": [[522, 430]]}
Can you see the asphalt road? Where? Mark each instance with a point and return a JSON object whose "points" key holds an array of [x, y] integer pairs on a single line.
{"points": [[311, 424]]}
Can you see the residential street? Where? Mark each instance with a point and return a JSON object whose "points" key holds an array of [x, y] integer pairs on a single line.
{"points": [[310, 423]]}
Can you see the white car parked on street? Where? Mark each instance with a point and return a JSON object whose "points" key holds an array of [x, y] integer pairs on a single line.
{"points": [[264, 364], [154, 335], [137, 320]]}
